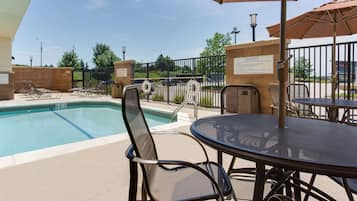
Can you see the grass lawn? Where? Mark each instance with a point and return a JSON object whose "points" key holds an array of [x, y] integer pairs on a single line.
{"points": [[77, 75]]}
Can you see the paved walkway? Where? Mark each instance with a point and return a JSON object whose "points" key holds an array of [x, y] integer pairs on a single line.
{"points": [[101, 173]]}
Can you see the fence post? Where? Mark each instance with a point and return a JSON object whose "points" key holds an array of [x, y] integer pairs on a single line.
{"points": [[349, 71], [168, 85], [83, 79], [147, 77]]}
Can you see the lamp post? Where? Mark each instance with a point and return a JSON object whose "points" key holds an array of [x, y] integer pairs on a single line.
{"points": [[253, 23], [41, 50], [41, 53], [123, 49], [235, 32]]}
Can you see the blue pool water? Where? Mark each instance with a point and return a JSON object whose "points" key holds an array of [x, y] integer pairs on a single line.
{"points": [[26, 129]]}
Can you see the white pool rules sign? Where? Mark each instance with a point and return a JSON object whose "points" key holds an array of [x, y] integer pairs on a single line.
{"points": [[254, 65]]}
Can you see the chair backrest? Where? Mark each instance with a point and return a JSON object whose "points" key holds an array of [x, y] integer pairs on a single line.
{"points": [[244, 99], [138, 130], [299, 91]]}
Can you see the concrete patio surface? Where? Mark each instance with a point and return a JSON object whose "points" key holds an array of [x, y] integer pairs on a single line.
{"points": [[102, 173]]}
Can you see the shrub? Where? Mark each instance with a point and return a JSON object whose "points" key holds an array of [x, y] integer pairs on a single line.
{"points": [[179, 99], [206, 101], [157, 97]]}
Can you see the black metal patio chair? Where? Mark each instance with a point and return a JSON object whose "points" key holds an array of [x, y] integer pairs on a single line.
{"points": [[240, 98], [297, 90], [274, 95], [167, 179]]}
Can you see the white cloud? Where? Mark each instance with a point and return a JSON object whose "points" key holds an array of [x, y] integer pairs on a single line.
{"points": [[95, 4]]}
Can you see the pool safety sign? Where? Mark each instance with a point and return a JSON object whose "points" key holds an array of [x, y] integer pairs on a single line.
{"points": [[254, 65], [122, 72]]}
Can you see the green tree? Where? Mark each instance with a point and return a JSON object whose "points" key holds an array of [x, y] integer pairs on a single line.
{"points": [[164, 63], [302, 68], [69, 59], [215, 45], [103, 56], [81, 64]]}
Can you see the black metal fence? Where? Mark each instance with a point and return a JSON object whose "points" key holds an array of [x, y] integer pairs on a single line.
{"points": [[312, 66], [93, 78], [169, 78]]}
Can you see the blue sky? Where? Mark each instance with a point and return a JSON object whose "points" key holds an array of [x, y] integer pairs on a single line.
{"points": [[148, 28]]}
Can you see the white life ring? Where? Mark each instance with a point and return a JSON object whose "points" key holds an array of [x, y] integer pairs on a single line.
{"points": [[146, 87], [193, 90]]}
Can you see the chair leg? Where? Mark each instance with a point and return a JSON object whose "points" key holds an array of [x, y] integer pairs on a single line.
{"points": [[133, 181], [297, 193], [311, 183], [231, 166], [348, 189], [143, 191], [259, 182], [233, 194]]}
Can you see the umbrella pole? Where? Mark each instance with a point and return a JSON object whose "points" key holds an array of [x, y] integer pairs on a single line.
{"points": [[282, 66], [334, 74]]}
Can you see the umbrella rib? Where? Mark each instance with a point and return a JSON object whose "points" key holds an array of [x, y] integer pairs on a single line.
{"points": [[345, 23], [318, 20], [345, 18], [331, 17]]}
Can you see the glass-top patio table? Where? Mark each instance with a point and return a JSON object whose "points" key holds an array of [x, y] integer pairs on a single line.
{"points": [[331, 106], [306, 145]]}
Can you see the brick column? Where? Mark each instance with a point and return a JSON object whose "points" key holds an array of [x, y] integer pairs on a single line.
{"points": [[261, 58], [123, 75]]}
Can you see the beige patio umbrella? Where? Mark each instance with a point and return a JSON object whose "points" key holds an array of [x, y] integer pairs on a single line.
{"points": [[335, 18], [283, 60]]}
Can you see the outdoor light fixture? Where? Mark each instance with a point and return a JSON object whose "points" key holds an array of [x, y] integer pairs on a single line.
{"points": [[235, 32], [123, 49], [253, 23]]}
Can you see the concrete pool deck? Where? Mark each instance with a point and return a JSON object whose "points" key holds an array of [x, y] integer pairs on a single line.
{"points": [[101, 173]]}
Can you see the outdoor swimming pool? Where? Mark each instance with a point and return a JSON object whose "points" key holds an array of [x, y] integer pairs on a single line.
{"points": [[30, 128]]}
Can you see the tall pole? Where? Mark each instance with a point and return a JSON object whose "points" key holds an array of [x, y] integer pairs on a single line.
{"points": [[123, 49], [282, 67], [334, 74], [41, 49], [253, 24], [235, 32]]}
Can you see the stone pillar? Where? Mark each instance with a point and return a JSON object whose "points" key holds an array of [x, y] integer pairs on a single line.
{"points": [[123, 75], [254, 63], [6, 75]]}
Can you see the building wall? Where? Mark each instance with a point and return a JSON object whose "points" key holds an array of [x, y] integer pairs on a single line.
{"points": [[59, 79]]}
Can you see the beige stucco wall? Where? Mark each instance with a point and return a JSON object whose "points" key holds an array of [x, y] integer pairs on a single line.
{"points": [[5, 54]]}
